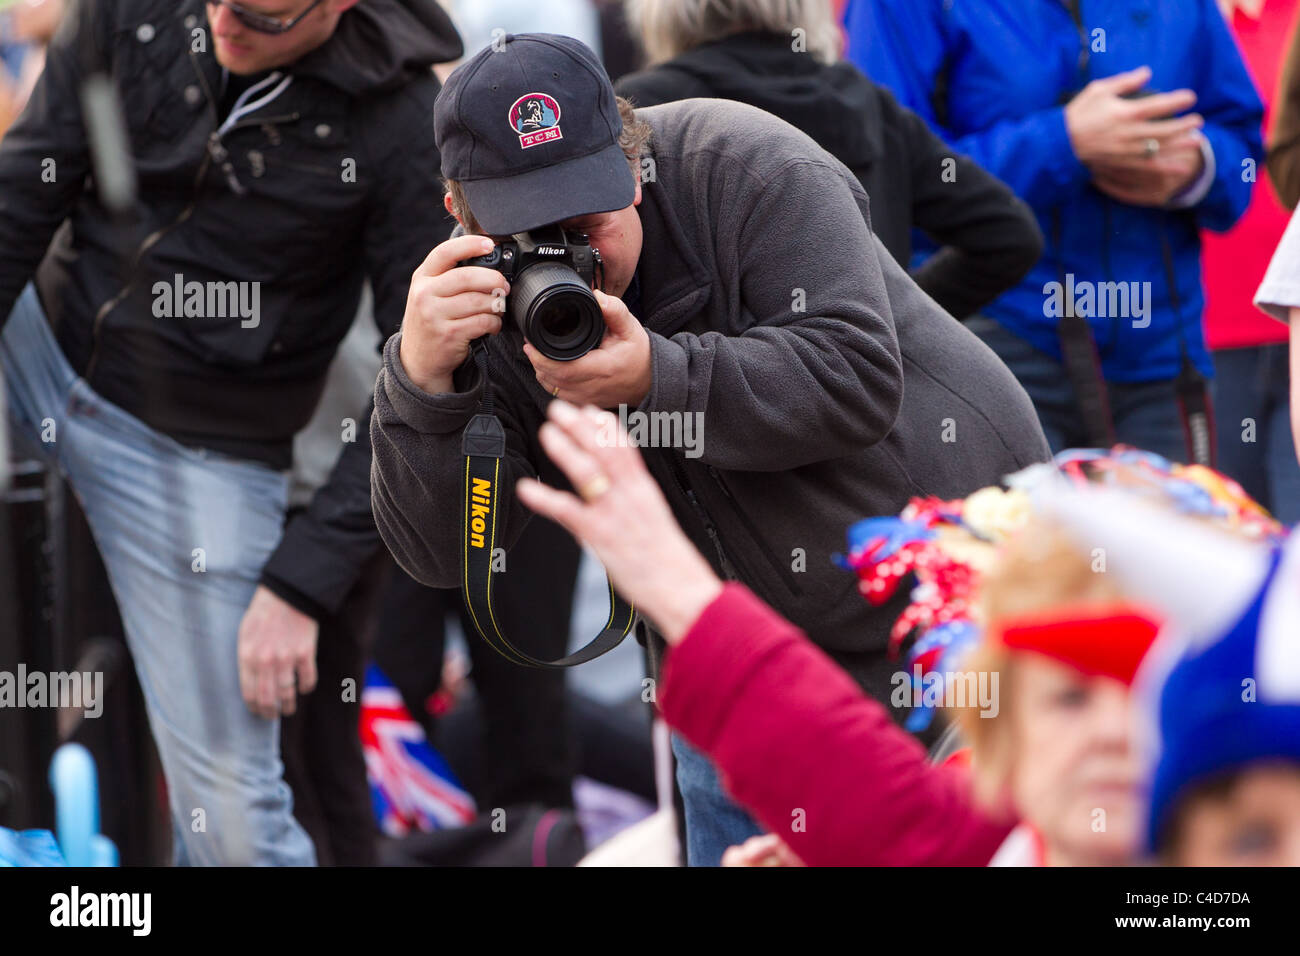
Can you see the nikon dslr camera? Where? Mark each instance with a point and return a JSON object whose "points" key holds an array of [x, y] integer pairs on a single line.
{"points": [[550, 274]]}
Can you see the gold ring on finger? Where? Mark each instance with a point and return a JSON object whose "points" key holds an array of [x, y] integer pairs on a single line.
{"points": [[594, 487]]}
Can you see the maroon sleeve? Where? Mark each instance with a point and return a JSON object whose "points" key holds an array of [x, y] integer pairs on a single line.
{"points": [[799, 745]]}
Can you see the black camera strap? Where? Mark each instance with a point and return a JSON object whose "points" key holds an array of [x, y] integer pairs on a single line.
{"points": [[484, 447], [1191, 387], [1079, 347], [1080, 359], [1073, 332], [1083, 367]]}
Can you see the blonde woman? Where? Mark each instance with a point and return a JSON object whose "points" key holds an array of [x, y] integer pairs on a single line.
{"points": [[783, 56], [1058, 748]]}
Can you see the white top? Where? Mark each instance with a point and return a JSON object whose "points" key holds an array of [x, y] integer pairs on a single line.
{"points": [[1280, 290]]}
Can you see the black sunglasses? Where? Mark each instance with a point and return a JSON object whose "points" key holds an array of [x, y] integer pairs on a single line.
{"points": [[260, 22]]}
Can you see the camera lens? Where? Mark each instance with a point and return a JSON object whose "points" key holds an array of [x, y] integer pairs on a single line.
{"points": [[558, 319], [556, 311]]}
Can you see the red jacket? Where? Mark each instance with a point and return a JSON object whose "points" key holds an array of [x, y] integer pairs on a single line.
{"points": [[817, 762], [1234, 262]]}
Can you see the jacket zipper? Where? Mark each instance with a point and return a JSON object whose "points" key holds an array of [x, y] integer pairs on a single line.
{"points": [[149, 242], [216, 150], [768, 553], [728, 569], [152, 239]]}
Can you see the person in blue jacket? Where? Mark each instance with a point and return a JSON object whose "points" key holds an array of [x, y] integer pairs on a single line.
{"points": [[1082, 107]]}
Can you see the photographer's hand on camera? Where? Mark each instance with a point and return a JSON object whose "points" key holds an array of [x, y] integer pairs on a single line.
{"points": [[449, 306], [618, 372]]}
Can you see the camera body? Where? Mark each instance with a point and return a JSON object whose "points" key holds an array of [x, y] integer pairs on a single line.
{"points": [[550, 272]]}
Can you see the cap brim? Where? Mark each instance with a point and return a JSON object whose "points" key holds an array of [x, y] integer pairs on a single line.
{"points": [[600, 182]]}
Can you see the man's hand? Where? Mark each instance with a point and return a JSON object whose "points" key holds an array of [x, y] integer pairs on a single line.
{"points": [[1106, 128], [1154, 181], [618, 372], [448, 307], [276, 643]]}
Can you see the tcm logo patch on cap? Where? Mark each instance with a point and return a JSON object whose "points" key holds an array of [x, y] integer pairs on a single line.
{"points": [[511, 186], [536, 118]]}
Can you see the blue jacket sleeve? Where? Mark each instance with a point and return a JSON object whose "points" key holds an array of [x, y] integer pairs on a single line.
{"points": [[1226, 97], [903, 45]]}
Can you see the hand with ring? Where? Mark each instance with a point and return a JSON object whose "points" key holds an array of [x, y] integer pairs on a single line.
{"points": [[1112, 121], [1162, 174], [276, 650], [620, 513]]}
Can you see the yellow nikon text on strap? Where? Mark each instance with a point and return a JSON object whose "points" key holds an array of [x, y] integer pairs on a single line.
{"points": [[480, 510], [484, 447]]}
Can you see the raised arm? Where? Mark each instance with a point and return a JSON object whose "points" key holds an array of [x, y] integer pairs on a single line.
{"points": [[795, 739]]}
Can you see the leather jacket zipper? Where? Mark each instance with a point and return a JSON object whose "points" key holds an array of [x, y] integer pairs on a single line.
{"points": [[149, 242], [215, 150]]}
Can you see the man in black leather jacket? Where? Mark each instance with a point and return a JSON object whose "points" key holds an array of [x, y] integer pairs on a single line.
{"points": [[285, 153]]}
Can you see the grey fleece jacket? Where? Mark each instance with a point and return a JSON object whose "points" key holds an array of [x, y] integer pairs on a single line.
{"points": [[832, 388]]}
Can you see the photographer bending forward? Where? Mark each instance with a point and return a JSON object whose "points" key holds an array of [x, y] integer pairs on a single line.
{"points": [[742, 288]]}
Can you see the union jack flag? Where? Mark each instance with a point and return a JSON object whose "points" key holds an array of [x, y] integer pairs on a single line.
{"points": [[411, 786]]}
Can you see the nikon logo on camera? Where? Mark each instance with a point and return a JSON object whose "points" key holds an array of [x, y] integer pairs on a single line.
{"points": [[479, 511]]}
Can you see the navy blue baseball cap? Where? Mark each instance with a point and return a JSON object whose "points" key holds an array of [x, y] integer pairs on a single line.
{"points": [[529, 127]]}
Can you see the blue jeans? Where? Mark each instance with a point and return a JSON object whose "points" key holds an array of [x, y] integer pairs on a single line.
{"points": [[1146, 414], [184, 535], [1253, 418], [713, 822]]}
